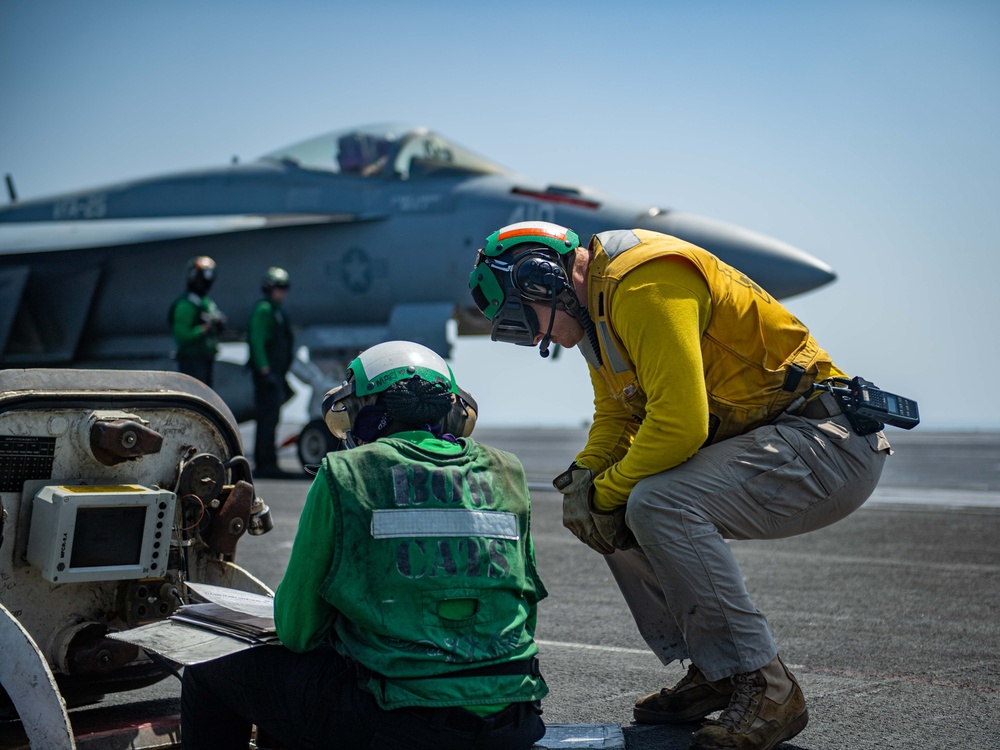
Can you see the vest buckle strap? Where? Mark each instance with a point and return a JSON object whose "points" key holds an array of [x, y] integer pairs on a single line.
{"points": [[793, 376]]}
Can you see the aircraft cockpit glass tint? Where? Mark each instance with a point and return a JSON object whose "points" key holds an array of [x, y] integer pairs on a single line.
{"points": [[387, 151], [427, 154]]}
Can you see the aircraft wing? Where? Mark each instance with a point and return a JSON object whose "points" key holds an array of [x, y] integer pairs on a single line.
{"points": [[53, 236]]}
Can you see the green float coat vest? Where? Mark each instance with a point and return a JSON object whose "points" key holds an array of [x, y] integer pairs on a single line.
{"points": [[185, 315], [751, 341], [434, 571], [269, 337]]}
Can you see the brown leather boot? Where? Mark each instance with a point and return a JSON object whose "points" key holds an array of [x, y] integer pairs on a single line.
{"points": [[766, 709], [691, 699]]}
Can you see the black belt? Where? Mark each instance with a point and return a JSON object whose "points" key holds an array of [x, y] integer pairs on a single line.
{"points": [[823, 406]]}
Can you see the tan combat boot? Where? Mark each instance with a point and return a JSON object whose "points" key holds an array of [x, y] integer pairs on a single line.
{"points": [[691, 699], [766, 709]]}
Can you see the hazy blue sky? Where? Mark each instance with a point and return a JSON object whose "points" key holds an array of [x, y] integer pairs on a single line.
{"points": [[867, 134]]}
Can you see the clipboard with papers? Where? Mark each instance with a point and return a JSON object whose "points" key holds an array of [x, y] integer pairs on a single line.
{"points": [[228, 621]]}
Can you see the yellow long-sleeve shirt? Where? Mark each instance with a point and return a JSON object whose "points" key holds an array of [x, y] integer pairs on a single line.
{"points": [[661, 310]]}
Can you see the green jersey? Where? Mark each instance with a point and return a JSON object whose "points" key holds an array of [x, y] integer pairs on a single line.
{"points": [[187, 316], [414, 555]]}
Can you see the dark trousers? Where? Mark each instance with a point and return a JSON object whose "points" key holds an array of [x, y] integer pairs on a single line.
{"points": [[196, 367], [269, 395], [312, 701]]}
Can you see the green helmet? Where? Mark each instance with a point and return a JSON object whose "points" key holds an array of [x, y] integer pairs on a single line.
{"points": [[377, 368], [274, 278], [380, 367], [553, 236], [528, 261]]}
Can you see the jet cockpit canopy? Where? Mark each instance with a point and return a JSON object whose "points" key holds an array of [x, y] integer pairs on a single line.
{"points": [[388, 151]]}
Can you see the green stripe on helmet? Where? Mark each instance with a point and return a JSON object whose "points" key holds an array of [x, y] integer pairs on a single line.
{"points": [[378, 367]]}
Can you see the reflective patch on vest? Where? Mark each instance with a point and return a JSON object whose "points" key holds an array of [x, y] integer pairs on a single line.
{"points": [[420, 522], [617, 241], [589, 353], [615, 359]]}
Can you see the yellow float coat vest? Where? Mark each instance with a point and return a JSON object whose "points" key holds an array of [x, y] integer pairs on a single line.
{"points": [[757, 356]]}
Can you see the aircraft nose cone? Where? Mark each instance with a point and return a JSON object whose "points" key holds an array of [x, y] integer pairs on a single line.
{"points": [[783, 270]]}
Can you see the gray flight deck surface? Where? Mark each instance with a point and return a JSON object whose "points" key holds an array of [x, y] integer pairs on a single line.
{"points": [[890, 619]]}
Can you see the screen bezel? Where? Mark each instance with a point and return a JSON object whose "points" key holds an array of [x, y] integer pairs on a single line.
{"points": [[53, 533]]}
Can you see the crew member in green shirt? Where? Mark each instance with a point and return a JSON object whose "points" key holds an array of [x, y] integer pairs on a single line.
{"points": [[196, 322], [269, 336], [407, 610]]}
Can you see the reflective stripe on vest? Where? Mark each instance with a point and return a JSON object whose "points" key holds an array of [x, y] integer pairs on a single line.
{"points": [[405, 522]]}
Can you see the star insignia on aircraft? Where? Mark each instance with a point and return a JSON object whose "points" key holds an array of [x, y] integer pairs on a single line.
{"points": [[357, 271]]}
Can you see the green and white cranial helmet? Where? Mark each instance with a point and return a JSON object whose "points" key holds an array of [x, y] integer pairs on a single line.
{"points": [[377, 368], [380, 367]]}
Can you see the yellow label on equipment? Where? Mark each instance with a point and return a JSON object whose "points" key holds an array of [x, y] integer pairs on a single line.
{"points": [[108, 488]]}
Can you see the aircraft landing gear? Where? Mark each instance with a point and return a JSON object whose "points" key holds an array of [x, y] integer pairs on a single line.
{"points": [[314, 442]]}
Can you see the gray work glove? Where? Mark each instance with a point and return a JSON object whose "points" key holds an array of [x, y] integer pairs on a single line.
{"points": [[612, 528], [576, 485]]}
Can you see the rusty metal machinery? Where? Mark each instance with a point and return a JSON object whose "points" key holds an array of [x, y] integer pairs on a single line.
{"points": [[116, 487]]}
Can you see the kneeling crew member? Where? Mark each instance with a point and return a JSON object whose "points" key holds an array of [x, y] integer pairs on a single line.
{"points": [[408, 606]]}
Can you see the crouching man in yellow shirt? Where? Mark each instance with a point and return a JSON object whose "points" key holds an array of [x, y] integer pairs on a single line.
{"points": [[706, 428]]}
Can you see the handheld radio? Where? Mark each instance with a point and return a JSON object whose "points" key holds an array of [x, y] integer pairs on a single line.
{"points": [[869, 408]]}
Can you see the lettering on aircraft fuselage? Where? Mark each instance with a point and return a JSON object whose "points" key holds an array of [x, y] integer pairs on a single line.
{"points": [[93, 206], [532, 212], [414, 202]]}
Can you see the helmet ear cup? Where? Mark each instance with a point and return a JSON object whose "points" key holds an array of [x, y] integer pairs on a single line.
{"points": [[341, 408], [336, 413], [461, 420], [538, 278]]}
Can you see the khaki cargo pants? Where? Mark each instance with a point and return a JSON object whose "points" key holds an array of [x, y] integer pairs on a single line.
{"points": [[683, 584]]}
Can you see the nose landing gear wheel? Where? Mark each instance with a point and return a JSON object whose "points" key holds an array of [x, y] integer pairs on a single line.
{"points": [[315, 441]]}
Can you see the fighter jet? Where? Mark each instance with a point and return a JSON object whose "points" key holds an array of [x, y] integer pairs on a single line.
{"points": [[377, 227]]}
